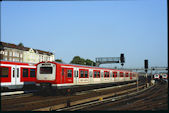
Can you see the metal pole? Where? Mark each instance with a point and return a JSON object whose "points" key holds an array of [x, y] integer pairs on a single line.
{"points": [[137, 82], [146, 80]]}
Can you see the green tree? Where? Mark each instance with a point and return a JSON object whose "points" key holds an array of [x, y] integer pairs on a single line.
{"points": [[90, 62], [78, 60], [58, 60], [82, 61], [21, 44]]}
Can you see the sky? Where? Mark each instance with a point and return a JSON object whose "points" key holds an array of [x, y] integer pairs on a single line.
{"points": [[90, 29]]}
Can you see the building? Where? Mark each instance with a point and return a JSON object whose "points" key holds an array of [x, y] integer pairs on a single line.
{"points": [[19, 53]]}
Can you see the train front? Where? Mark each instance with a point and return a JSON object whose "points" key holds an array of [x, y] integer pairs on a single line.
{"points": [[46, 75]]}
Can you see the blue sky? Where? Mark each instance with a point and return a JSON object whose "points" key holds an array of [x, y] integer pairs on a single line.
{"points": [[90, 29]]}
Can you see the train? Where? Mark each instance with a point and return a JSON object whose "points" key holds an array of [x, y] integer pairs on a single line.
{"points": [[160, 76], [17, 75], [55, 75]]}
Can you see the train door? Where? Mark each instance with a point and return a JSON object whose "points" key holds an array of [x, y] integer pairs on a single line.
{"points": [[67, 75], [90, 76], [75, 75], [102, 76], [17, 75], [13, 75]]}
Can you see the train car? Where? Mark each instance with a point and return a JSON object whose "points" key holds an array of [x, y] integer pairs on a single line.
{"points": [[156, 76], [59, 75], [15, 75]]}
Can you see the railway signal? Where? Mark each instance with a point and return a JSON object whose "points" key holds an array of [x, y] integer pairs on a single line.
{"points": [[146, 65], [122, 59]]}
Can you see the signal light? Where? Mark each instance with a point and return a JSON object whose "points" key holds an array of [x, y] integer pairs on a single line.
{"points": [[122, 58], [146, 65]]}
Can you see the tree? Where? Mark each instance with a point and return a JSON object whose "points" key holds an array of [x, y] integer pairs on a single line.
{"points": [[78, 60], [82, 61], [58, 60], [90, 62], [20, 44]]}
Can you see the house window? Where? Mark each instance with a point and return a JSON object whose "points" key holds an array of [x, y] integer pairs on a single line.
{"points": [[10, 53], [21, 55], [6, 53]]}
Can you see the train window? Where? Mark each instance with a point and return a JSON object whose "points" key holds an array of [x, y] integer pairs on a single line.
{"points": [[91, 73], [121, 74], [127, 75], [113, 74], [95, 74], [134, 75], [77, 73], [86, 74], [45, 70], [13, 72], [4, 72], [62, 71], [32, 72], [69, 73], [17, 72], [81, 74], [98, 73], [106, 74], [25, 73], [130, 74], [74, 73]]}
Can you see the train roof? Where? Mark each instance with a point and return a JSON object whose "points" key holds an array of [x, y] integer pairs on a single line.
{"points": [[78, 65]]}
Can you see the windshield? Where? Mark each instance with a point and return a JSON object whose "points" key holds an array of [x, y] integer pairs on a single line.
{"points": [[45, 70]]}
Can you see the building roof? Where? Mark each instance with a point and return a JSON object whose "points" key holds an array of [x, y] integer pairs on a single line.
{"points": [[9, 45]]}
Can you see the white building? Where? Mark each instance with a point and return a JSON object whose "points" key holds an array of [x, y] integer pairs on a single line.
{"points": [[12, 52]]}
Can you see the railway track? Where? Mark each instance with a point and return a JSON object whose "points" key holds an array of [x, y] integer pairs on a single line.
{"points": [[56, 102], [156, 98]]}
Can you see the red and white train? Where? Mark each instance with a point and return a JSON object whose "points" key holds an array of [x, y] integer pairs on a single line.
{"points": [[164, 76], [160, 76], [15, 75], [156, 76], [60, 76]]}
